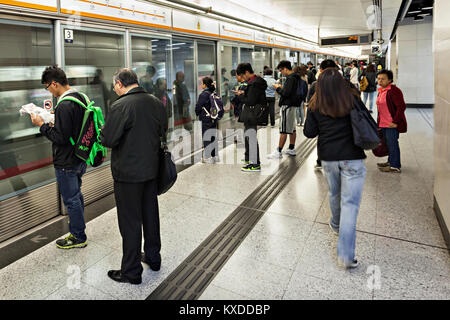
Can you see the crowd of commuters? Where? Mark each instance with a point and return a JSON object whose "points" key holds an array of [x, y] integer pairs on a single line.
{"points": [[138, 122]]}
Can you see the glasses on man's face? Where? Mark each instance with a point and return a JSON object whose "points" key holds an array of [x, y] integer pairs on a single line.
{"points": [[46, 88]]}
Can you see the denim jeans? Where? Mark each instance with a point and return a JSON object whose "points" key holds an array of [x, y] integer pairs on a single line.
{"points": [[345, 184], [300, 114], [371, 96], [391, 136], [69, 183]]}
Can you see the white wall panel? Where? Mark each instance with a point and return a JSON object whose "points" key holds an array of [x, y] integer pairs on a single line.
{"points": [[130, 11], [441, 39], [230, 31], [415, 63], [183, 21], [47, 5]]}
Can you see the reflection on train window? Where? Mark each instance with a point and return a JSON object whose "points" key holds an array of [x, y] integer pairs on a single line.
{"points": [[183, 86], [151, 61], [293, 58], [229, 59], [305, 57], [261, 58], [320, 58], [25, 157], [90, 63], [246, 55]]}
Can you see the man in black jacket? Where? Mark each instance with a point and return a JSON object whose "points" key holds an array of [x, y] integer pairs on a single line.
{"points": [[311, 73], [253, 95], [289, 101], [136, 122], [68, 168]]}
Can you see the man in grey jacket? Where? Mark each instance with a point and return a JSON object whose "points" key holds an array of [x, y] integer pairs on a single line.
{"points": [[136, 122]]}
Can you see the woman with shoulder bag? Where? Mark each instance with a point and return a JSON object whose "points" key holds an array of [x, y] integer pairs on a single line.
{"points": [[209, 125], [342, 161], [369, 94]]}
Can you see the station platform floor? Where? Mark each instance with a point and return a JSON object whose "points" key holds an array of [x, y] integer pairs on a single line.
{"points": [[289, 254]]}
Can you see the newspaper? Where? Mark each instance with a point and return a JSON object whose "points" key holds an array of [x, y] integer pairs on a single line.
{"points": [[32, 108]]}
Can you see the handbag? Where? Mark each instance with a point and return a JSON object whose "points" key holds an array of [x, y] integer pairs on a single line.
{"points": [[381, 150], [364, 127], [167, 173], [254, 115]]}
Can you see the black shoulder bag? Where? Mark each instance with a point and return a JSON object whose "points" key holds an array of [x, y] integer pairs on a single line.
{"points": [[167, 173], [365, 134]]}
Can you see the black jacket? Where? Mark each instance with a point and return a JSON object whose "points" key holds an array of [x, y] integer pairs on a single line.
{"points": [[133, 131], [68, 120], [335, 137], [255, 92], [288, 93], [372, 80]]}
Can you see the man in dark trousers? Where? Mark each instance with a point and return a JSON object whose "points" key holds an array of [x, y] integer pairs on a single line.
{"points": [[136, 122], [254, 94], [68, 168]]}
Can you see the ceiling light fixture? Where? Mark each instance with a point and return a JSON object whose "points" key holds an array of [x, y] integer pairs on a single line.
{"points": [[415, 11], [427, 8]]}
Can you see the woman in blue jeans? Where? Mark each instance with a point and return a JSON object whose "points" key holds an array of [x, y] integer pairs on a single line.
{"points": [[342, 161]]}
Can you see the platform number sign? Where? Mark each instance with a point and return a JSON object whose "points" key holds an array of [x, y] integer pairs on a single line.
{"points": [[68, 36]]}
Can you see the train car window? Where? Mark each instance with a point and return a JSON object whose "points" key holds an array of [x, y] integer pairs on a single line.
{"points": [[151, 62], [183, 85], [261, 58], [229, 56], [90, 63]]}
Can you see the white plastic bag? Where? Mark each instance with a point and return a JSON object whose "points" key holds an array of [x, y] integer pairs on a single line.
{"points": [[44, 114]]}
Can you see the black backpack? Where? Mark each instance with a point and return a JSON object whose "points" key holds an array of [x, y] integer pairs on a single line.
{"points": [[302, 90]]}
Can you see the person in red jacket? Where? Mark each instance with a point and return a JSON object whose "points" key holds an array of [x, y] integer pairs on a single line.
{"points": [[391, 119]]}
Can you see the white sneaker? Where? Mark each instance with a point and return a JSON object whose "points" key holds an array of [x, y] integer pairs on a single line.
{"points": [[209, 161], [276, 155], [290, 152], [216, 159]]}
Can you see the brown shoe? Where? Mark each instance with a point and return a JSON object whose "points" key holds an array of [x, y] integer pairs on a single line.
{"points": [[390, 169], [383, 164]]}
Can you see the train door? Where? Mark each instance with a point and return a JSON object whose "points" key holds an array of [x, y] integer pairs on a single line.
{"points": [[151, 60], [228, 60], [28, 193]]}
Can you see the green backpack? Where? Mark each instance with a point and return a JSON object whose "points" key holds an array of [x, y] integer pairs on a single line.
{"points": [[88, 147]]}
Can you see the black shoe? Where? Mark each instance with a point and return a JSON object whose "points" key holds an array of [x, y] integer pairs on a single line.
{"points": [[116, 275], [70, 242], [153, 266], [252, 168]]}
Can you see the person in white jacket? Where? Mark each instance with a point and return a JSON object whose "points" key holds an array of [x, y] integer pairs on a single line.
{"points": [[354, 74]]}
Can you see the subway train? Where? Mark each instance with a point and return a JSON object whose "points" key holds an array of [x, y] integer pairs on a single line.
{"points": [[169, 52]]}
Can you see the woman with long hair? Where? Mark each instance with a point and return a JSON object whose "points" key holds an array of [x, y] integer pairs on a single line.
{"points": [[342, 161], [209, 125]]}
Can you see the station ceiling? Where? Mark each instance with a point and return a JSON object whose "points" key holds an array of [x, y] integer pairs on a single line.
{"points": [[309, 17]]}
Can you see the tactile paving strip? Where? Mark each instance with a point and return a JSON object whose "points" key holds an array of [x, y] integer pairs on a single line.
{"points": [[193, 275]]}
